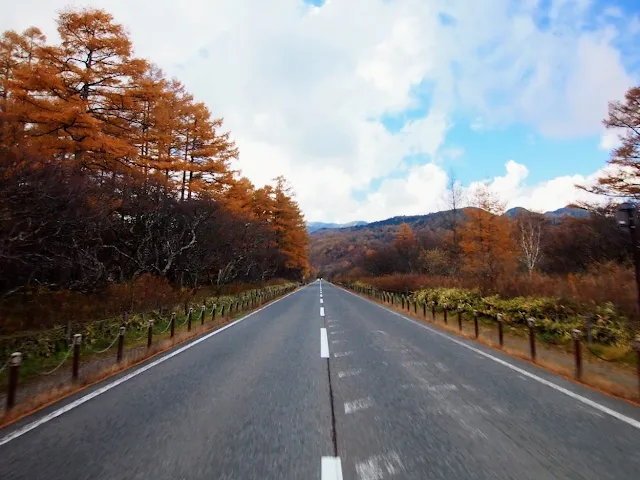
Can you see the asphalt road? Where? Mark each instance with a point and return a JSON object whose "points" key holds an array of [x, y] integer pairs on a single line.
{"points": [[393, 399]]}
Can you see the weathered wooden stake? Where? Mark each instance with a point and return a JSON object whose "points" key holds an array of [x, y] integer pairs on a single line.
{"points": [[475, 323], [120, 345], [14, 371], [75, 363], [149, 333], [577, 352], [532, 338]]}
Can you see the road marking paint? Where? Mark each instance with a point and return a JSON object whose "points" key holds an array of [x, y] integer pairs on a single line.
{"points": [[331, 468], [349, 373], [337, 332], [324, 344], [441, 367], [321, 300], [445, 387], [338, 341], [414, 363], [322, 311], [357, 405], [342, 354], [609, 411], [379, 466], [76, 403]]}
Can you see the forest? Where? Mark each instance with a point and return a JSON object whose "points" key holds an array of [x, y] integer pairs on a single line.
{"points": [[114, 177]]}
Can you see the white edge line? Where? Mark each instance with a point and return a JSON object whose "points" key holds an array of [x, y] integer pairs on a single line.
{"points": [[324, 344], [628, 420], [331, 468], [76, 403]]}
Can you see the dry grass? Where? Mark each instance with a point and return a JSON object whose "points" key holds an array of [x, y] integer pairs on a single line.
{"points": [[519, 349], [603, 283]]}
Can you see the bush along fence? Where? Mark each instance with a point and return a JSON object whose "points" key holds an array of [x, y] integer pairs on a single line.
{"points": [[32, 354], [543, 319]]}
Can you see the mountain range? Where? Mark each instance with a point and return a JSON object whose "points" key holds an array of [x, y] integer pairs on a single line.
{"points": [[313, 226], [429, 218], [335, 245]]}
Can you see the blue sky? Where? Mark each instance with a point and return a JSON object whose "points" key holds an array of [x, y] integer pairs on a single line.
{"points": [[368, 106], [484, 151]]}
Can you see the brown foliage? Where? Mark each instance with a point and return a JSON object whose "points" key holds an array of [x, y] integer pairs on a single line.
{"points": [[622, 179], [114, 179], [488, 250]]}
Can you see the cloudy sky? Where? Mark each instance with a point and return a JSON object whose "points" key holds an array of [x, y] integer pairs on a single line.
{"points": [[369, 106]]}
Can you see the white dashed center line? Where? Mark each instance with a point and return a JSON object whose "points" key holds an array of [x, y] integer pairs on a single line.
{"points": [[324, 344], [331, 468]]}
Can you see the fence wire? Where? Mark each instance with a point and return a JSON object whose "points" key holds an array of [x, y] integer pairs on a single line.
{"points": [[105, 349], [615, 359], [60, 364]]}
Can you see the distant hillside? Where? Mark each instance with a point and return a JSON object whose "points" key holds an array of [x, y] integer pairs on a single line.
{"points": [[553, 216], [334, 245], [315, 226]]}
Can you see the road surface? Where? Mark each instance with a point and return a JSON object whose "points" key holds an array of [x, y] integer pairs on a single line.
{"points": [[373, 396]]}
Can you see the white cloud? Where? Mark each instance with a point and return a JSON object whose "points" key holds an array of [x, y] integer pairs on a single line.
{"points": [[424, 190], [303, 89], [610, 140]]}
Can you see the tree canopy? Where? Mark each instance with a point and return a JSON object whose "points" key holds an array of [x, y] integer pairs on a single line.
{"points": [[109, 169]]}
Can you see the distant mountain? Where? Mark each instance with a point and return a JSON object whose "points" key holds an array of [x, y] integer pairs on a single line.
{"points": [[314, 226], [568, 211], [515, 212], [554, 216]]}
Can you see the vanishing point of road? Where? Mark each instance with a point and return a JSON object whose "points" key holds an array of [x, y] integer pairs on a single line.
{"points": [[323, 384]]}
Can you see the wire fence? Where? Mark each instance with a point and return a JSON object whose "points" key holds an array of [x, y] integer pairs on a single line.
{"points": [[560, 354], [104, 349], [57, 341], [55, 369]]}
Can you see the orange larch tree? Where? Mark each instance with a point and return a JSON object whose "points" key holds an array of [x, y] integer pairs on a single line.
{"points": [[486, 240], [407, 246]]}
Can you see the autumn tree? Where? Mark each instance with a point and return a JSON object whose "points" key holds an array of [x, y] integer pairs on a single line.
{"points": [[408, 248], [287, 223], [623, 179], [486, 240], [75, 96], [110, 172], [453, 218]]}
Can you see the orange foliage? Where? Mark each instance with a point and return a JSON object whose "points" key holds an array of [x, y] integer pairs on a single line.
{"points": [[486, 241]]}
